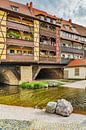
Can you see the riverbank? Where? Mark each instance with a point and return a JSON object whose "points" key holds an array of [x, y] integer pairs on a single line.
{"points": [[76, 84], [39, 119]]}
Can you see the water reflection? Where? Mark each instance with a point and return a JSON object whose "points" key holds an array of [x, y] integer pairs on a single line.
{"points": [[8, 90], [13, 95]]}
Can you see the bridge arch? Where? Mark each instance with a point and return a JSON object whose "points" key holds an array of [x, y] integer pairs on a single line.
{"points": [[8, 77], [50, 73]]}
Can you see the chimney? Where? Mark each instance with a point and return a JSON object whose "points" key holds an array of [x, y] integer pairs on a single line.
{"points": [[30, 6], [70, 20]]}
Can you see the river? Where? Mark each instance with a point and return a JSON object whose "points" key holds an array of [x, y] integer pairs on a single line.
{"points": [[14, 95]]}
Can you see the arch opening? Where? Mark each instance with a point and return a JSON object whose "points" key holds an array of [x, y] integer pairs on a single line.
{"points": [[4, 78], [49, 73]]}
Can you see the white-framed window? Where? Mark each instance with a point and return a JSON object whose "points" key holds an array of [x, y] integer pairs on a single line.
{"points": [[11, 51], [14, 8], [77, 71], [67, 27], [54, 21], [48, 20], [63, 55], [42, 17]]}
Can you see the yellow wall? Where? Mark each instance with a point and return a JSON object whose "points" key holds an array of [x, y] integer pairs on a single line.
{"points": [[36, 40], [3, 17]]}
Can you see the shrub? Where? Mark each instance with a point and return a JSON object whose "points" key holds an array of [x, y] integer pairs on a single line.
{"points": [[33, 85]]}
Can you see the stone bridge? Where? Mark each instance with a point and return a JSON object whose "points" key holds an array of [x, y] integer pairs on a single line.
{"points": [[15, 74]]}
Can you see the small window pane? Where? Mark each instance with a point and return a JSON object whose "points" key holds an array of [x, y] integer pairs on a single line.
{"points": [[76, 71], [14, 8]]}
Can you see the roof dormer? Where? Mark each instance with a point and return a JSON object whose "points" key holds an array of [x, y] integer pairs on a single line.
{"points": [[14, 8]]}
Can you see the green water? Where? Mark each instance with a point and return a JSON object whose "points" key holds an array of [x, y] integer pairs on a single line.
{"points": [[11, 95]]}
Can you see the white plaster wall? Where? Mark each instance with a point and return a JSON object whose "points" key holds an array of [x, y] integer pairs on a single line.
{"points": [[71, 73]]}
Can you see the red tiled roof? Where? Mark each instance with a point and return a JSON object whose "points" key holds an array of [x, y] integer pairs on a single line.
{"points": [[23, 9], [78, 62], [80, 29], [38, 12], [4, 4], [73, 28]]}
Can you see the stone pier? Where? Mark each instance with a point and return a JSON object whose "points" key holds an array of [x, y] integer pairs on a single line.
{"points": [[14, 75]]}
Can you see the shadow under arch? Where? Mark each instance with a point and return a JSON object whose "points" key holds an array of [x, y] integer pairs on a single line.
{"points": [[8, 77], [49, 73]]}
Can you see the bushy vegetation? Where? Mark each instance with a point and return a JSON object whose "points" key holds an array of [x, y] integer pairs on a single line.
{"points": [[13, 34], [34, 85]]}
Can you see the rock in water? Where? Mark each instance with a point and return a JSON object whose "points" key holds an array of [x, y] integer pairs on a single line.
{"points": [[64, 108], [51, 107]]}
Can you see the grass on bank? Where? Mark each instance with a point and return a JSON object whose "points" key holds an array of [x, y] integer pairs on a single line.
{"points": [[40, 84], [34, 85]]}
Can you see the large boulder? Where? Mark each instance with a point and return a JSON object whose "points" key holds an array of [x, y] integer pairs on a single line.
{"points": [[51, 107], [64, 107]]}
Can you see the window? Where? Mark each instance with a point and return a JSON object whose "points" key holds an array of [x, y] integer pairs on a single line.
{"points": [[80, 57], [63, 44], [24, 52], [11, 51], [30, 52], [52, 53], [63, 55], [69, 56], [67, 27], [54, 21], [76, 71], [42, 17], [19, 52], [48, 20], [14, 8]]}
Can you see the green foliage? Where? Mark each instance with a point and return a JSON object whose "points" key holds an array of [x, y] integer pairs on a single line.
{"points": [[33, 85], [14, 34]]}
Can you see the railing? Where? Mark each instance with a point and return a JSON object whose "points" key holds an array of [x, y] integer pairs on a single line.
{"points": [[47, 59], [71, 50], [84, 53], [19, 58], [47, 46], [20, 42], [28, 58], [72, 39], [65, 61], [19, 26], [47, 33]]}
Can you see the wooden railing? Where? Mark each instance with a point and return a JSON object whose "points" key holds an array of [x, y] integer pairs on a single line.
{"points": [[71, 50], [47, 47], [47, 33], [19, 42], [44, 59], [19, 58], [19, 26]]}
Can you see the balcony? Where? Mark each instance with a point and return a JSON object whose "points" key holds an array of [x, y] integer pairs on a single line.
{"points": [[19, 42], [47, 33], [19, 26], [47, 59], [47, 47], [72, 39], [65, 60], [84, 53], [19, 58], [71, 50]]}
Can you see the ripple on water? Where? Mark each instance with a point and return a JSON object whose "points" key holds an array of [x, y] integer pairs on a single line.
{"points": [[12, 95]]}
